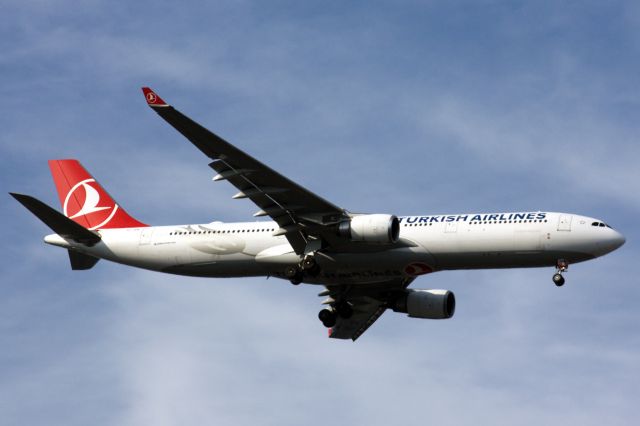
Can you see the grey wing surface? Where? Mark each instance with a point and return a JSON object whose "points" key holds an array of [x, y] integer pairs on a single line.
{"points": [[369, 302], [366, 311], [298, 211]]}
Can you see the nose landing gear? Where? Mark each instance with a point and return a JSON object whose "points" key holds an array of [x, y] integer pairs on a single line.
{"points": [[558, 279], [561, 266]]}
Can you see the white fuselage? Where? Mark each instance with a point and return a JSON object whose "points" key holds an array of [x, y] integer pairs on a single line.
{"points": [[427, 244]]}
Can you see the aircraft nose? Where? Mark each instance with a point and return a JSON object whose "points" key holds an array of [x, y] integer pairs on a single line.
{"points": [[606, 239], [612, 241], [617, 240]]}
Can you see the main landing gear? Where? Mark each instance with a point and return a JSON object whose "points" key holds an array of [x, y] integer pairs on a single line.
{"points": [[561, 266], [307, 267], [294, 274], [329, 317]]}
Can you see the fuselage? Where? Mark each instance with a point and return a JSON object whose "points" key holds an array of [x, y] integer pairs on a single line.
{"points": [[427, 244]]}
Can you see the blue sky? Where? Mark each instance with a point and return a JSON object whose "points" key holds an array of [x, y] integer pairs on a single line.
{"points": [[401, 107]]}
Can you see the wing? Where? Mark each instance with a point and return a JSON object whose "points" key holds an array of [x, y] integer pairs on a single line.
{"points": [[365, 312], [300, 213], [368, 303]]}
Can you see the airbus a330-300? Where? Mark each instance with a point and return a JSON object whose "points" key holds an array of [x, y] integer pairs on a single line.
{"points": [[364, 261]]}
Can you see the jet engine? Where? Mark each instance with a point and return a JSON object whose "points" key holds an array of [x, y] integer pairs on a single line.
{"points": [[429, 304], [371, 228]]}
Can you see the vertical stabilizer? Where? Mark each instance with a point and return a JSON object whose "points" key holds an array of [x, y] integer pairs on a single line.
{"points": [[85, 201]]}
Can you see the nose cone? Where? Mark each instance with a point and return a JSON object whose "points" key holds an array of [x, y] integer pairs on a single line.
{"points": [[612, 241], [618, 240]]}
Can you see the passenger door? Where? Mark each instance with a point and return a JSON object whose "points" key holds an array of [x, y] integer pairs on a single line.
{"points": [[564, 222]]}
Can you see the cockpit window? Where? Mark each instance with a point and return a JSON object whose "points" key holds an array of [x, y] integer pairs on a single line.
{"points": [[601, 225]]}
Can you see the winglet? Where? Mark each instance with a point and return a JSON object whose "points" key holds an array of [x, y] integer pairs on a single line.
{"points": [[153, 100]]}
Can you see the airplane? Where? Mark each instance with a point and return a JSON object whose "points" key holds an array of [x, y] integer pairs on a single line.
{"points": [[364, 261]]}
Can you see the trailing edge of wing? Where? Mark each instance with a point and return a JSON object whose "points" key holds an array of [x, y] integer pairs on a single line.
{"points": [[58, 222], [268, 189], [365, 314], [369, 302]]}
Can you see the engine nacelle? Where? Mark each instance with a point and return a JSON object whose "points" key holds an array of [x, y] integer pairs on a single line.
{"points": [[371, 228], [429, 304]]}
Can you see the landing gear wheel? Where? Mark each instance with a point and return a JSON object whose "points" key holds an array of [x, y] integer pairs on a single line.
{"points": [[558, 279], [293, 274], [308, 263], [310, 266], [328, 317], [344, 310], [561, 266]]}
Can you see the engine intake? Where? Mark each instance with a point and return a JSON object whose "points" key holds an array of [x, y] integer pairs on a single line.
{"points": [[371, 228], [429, 304]]}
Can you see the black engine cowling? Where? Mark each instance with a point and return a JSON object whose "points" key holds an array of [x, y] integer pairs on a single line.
{"points": [[371, 228], [429, 304]]}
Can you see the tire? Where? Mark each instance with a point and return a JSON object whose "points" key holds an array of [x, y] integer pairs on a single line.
{"points": [[310, 266], [558, 280], [327, 317], [309, 263], [291, 272]]}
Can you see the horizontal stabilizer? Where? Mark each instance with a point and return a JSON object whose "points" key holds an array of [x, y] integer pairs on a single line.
{"points": [[81, 261], [59, 223]]}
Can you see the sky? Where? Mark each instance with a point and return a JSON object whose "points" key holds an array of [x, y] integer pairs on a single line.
{"points": [[403, 107]]}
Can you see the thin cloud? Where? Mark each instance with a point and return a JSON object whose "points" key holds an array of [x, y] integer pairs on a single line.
{"points": [[414, 109]]}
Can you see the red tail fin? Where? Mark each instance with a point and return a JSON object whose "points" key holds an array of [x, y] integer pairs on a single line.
{"points": [[85, 201]]}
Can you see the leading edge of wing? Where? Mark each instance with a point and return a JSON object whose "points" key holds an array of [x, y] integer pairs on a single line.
{"points": [[217, 148]]}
